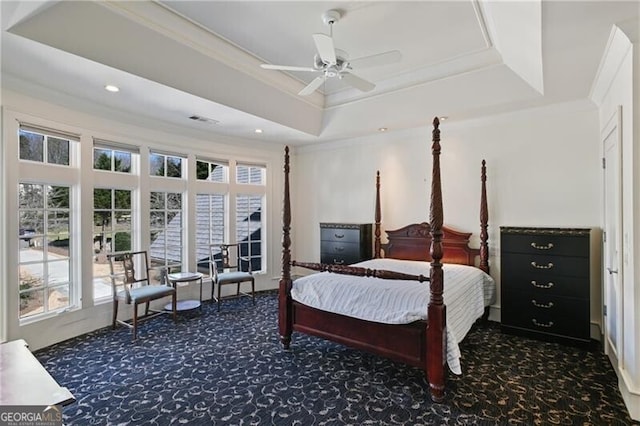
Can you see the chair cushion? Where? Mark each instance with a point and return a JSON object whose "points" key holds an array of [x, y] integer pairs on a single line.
{"points": [[234, 277], [148, 292]]}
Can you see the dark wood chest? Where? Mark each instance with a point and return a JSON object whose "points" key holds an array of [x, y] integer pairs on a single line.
{"points": [[545, 282], [345, 243]]}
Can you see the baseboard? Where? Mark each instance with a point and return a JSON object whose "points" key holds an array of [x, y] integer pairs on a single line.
{"points": [[631, 399]]}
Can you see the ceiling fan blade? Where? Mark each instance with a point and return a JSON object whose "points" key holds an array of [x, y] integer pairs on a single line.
{"points": [[286, 68], [326, 50], [357, 82], [376, 60], [311, 87]]}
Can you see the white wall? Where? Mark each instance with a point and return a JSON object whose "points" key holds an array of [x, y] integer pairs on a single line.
{"points": [[68, 324], [543, 168], [618, 84]]}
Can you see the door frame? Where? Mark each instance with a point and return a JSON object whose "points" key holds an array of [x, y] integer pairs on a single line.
{"points": [[613, 127]]}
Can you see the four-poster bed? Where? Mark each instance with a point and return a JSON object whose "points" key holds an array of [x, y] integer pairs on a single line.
{"points": [[422, 343]]}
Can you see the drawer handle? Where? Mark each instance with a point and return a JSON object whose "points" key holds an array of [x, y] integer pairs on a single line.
{"points": [[338, 262], [535, 284], [539, 324], [340, 249], [338, 235], [547, 266], [537, 247], [542, 305]]}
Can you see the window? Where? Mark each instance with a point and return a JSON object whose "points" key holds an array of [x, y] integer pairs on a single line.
{"points": [[165, 165], [212, 171], [44, 148], [165, 225], [249, 228], [253, 175], [112, 160], [210, 226], [112, 232], [44, 241]]}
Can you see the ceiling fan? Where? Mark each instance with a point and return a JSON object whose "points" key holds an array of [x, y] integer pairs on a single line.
{"points": [[330, 62]]}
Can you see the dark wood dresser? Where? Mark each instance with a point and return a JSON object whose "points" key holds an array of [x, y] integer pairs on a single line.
{"points": [[545, 282], [345, 243]]}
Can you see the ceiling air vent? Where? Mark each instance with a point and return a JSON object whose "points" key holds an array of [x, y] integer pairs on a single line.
{"points": [[203, 119]]}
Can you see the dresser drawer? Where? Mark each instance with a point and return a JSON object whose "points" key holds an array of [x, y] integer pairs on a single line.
{"points": [[544, 286], [340, 234], [554, 315], [548, 245], [339, 259], [517, 265]]}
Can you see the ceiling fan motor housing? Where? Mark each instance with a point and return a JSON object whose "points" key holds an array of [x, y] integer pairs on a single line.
{"points": [[330, 17]]}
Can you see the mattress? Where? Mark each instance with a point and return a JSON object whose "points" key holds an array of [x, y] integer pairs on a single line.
{"points": [[467, 291]]}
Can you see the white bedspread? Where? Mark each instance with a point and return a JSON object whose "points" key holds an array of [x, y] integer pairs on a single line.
{"points": [[467, 290]]}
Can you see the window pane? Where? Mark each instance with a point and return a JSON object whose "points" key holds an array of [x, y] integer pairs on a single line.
{"points": [[32, 251], [157, 200], [156, 165], [166, 232], [57, 151], [174, 201], [31, 292], [31, 303], [101, 198], [58, 197], [30, 196], [202, 170], [31, 146], [101, 159], [157, 219], [250, 174], [122, 199], [31, 223], [58, 297], [122, 161], [58, 271], [122, 241], [58, 224], [249, 227], [174, 167]]}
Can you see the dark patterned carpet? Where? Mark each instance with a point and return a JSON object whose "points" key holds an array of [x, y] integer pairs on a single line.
{"points": [[229, 368]]}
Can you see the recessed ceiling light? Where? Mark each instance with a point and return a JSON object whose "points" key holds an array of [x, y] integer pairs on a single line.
{"points": [[258, 130], [111, 88], [382, 129], [444, 118]]}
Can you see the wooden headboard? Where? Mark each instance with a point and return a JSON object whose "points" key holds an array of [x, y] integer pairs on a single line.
{"points": [[413, 242]]}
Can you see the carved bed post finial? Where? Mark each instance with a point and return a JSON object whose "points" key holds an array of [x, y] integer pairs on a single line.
{"points": [[484, 221], [436, 313], [377, 247], [285, 312]]}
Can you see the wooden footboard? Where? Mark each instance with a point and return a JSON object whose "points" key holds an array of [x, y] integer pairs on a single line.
{"points": [[400, 342]]}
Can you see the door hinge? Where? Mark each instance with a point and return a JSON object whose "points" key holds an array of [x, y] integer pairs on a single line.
{"points": [[605, 310], [604, 163], [604, 236]]}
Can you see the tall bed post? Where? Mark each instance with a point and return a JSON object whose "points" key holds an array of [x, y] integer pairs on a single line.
{"points": [[285, 304], [484, 220], [436, 312], [377, 250]]}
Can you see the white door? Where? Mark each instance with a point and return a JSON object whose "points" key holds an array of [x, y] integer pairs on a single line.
{"points": [[612, 291]]}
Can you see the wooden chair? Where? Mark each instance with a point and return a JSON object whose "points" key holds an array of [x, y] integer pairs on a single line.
{"points": [[226, 267], [137, 287]]}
